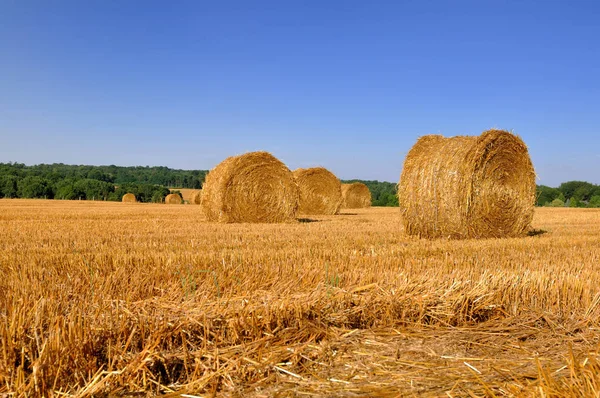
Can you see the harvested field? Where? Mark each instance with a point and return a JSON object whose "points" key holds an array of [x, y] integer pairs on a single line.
{"points": [[99, 298]]}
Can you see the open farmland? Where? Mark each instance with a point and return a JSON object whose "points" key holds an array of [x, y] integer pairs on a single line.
{"points": [[102, 298]]}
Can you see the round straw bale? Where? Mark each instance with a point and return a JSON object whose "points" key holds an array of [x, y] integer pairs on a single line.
{"points": [[468, 187], [254, 187], [355, 196], [129, 198], [196, 197], [320, 191], [173, 199]]}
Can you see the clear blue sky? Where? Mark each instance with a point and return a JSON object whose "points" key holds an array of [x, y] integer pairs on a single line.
{"points": [[349, 85]]}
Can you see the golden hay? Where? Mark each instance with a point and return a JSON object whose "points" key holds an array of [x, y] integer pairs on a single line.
{"points": [[196, 197], [468, 187], [253, 187], [129, 198], [186, 193], [355, 196], [320, 191], [173, 199]]}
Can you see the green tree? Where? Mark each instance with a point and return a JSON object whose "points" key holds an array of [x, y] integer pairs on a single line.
{"points": [[8, 186], [65, 189], [546, 194], [594, 201], [580, 189], [556, 203], [158, 197], [94, 189], [34, 187]]}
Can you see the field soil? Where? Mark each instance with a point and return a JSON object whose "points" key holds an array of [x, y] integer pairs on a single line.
{"points": [[113, 299]]}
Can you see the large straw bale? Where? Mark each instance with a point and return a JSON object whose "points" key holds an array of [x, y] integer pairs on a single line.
{"points": [[320, 191], [173, 199], [468, 187], [129, 198], [254, 187], [355, 196]]}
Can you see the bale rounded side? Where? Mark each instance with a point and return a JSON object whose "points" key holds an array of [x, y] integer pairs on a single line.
{"points": [[196, 197], [320, 191], [254, 187], [129, 198], [355, 196], [468, 187], [173, 199]]}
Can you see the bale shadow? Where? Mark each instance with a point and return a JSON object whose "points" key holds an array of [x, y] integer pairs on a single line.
{"points": [[348, 214], [537, 232], [307, 220]]}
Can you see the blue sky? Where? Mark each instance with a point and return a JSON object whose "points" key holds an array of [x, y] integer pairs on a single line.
{"points": [[349, 85]]}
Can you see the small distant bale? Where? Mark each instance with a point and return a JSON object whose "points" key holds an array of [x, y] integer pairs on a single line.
{"points": [[129, 198], [468, 187], [320, 191], [173, 199], [355, 196], [196, 197], [254, 188]]}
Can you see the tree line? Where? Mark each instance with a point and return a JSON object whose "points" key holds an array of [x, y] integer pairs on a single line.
{"points": [[569, 194], [60, 181]]}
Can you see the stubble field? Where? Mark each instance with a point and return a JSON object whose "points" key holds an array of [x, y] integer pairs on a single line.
{"points": [[105, 299]]}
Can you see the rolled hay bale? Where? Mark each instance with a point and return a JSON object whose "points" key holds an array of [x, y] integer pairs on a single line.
{"points": [[173, 199], [355, 196], [196, 197], [320, 191], [254, 187], [468, 187], [129, 198]]}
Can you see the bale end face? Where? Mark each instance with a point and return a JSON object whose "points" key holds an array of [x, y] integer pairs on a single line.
{"points": [[320, 191], [468, 187], [254, 187], [129, 198], [355, 196], [173, 199]]}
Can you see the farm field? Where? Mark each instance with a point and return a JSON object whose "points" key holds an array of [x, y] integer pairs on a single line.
{"points": [[104, 298]]}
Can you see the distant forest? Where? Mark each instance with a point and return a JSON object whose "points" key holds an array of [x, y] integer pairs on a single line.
{"points": [[571, 194], [151, 184], [60, 181]]}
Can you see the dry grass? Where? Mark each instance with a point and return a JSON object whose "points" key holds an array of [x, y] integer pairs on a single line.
{"points": [[98, 298]]}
